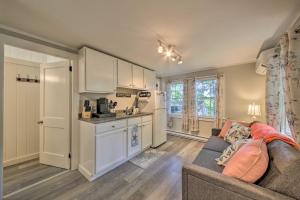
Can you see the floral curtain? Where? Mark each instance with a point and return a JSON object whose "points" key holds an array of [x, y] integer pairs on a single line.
{"points": [[190, 123], [283, 81], [193, 115], [220, 101], [292, 81], [273, 92], [185, 107]]}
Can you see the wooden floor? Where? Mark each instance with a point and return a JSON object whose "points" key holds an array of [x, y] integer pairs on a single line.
{"points": [[22, 175], [162, 180]]}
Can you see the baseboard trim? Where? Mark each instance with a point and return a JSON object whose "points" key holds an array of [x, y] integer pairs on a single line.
{"points": [[20, 159], [191, 137]]}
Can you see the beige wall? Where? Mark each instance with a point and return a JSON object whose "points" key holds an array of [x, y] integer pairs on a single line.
{"points": [[242, 87]]}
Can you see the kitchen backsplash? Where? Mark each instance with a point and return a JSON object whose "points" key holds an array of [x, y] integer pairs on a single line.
{"points": [[123, 102]]}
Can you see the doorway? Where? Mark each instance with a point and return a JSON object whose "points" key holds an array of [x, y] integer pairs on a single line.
{"points": [[36, 118]]}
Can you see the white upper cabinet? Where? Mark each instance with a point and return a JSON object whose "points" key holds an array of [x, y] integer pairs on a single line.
{"points": [[130, 76], [149, 79], [124, 74], [137, 77], [97, 72]]}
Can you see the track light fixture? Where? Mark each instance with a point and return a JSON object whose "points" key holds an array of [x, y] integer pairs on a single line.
{"points": [[169, 51]]}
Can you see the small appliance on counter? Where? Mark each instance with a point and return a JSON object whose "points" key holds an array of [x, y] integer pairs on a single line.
{"points": [[104, 107]]}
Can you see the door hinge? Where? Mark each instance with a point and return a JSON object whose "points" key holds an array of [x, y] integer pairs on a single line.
{"points": [[70, 155], [70, 68]]}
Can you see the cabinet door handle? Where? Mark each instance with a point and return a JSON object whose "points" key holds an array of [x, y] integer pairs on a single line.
{"points": [[40, 122], [125, 131]]}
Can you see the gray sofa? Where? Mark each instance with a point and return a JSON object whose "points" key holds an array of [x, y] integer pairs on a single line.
{"points": [[203, 180]]}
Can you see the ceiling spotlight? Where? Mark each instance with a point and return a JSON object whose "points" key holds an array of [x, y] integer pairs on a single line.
{"points": [[173, 58], [160, 49], [180, 62], [169, 53]]}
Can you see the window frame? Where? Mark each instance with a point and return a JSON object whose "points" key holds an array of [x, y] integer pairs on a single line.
{"points": [[215, 97]]}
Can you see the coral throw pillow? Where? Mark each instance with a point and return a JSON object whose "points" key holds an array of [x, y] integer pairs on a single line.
{"points": [[228, 125], [225, 128], [268, 133], [249, 163]]}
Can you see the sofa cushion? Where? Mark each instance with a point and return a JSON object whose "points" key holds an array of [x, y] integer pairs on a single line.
{"points": [[216, 143], [207, 158], [283, 174]]}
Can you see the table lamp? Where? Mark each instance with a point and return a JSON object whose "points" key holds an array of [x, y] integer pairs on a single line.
{"points": [[254, 111]]}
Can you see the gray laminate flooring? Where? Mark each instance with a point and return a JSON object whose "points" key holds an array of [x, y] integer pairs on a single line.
{"points": [[161, 180], [22, 175]]}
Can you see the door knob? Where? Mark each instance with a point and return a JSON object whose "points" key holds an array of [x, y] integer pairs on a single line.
{"points": [[40, 122]]}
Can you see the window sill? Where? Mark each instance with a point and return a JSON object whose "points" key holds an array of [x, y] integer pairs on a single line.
{"points": [[177, 116], [207, 119], [199, 119]]}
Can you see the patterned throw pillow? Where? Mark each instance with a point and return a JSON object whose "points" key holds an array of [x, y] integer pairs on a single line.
{"points": [[230, 151], [237, 132]]}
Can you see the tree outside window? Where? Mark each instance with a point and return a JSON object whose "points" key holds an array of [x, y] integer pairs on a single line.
{"points": [[176, 98], [206, 97]]}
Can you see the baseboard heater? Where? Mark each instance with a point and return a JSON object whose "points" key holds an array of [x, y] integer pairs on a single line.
{"points": [[186, 135]]}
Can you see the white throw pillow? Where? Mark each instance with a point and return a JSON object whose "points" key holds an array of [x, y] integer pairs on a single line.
{"points": [[230, 151]]}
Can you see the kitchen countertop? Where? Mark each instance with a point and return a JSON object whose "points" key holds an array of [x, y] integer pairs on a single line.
{"points": [[118, 117]]}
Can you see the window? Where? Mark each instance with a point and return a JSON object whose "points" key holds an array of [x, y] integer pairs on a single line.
{"points": [[176, 98], [206, 97]]}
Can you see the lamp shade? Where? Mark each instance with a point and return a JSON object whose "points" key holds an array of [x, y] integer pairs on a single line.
{"points": [[254, 110]]}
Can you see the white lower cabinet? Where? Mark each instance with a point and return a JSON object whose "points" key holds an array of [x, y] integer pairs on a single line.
{"points": [[107, 145], [110, 149]]}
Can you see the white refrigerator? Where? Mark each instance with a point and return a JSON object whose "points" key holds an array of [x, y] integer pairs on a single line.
{"points": [[159, 118]]}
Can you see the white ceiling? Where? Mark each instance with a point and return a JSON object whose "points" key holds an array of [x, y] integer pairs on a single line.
{"points": [[208, 33]]}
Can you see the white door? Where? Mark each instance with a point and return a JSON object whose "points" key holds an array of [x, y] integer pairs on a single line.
{"points": [[55, 114], [124, 74], [137, 77]]}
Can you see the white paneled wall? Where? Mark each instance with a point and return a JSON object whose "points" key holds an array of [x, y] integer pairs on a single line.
{"points": [[21, 112]]}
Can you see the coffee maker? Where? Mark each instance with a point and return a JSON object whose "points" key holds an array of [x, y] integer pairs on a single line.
{"points": [[103, 108]]}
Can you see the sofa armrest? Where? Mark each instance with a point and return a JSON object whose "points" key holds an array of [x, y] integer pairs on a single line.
{"points": [[201, 183], [215, 131]]}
